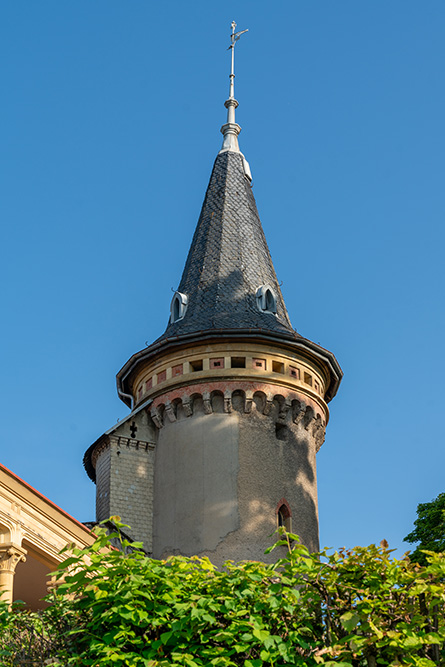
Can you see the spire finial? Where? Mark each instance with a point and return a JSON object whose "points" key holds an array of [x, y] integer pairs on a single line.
{"points": [[231, 129]]}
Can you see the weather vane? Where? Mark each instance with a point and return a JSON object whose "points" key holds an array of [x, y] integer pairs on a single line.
{"points": [[234, 38]]}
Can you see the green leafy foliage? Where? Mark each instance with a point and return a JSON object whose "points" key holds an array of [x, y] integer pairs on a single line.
{"points": [[429, 529], [352, 608]]}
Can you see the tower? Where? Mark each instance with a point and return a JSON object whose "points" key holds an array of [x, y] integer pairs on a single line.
{"points": [[229, 405]]}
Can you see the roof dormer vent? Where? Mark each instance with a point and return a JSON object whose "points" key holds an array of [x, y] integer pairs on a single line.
{"points": [[178, 307], [246, 169], [266, 299]]}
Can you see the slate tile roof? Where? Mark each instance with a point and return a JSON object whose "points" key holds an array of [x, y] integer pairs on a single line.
{"points": [[228, 260]]}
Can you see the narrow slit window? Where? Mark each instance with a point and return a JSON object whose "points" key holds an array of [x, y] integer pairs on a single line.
{"points": [[284, 518]]}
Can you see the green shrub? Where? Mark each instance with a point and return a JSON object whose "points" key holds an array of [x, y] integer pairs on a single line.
{"points": [[351, 608]]}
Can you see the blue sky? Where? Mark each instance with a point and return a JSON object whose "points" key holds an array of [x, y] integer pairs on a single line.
{"points": [[110, 124]]}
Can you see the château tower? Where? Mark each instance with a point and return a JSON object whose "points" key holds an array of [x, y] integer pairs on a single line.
{"points": [[229, 405]]}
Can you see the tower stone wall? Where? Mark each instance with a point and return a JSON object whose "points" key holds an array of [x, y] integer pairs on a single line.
{"points": [[125, 469], [225, 467], [123, 464]]}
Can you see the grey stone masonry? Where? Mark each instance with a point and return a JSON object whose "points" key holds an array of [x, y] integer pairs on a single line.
{"points": [[121, 462], [228, 260], [124, 474]]}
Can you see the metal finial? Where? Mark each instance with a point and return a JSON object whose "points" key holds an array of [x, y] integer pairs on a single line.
{"points": [[234, 38], [231, 129]]}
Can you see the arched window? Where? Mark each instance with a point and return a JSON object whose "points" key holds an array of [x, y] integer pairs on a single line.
{"points": [[178, 307], [284, 516], [266, 299]]}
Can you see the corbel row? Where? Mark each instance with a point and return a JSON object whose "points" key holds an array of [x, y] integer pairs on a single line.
{"points": [[301, 413]]}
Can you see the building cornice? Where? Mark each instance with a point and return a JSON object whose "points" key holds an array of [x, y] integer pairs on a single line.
{"points": [[288, 341]]}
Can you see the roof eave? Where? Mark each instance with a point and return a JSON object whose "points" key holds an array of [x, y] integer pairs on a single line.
{"points": [[292, 340]]}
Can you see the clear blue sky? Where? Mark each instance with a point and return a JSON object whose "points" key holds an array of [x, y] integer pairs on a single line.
{"points": [[110, 120]]}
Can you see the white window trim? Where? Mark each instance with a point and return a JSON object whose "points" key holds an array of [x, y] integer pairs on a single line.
{"points": [[182, 300], [261, 299]]}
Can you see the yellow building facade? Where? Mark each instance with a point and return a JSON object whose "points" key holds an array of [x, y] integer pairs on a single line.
{"points": [[33, 530]]}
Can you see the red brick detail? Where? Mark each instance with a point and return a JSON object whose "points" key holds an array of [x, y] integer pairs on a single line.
{"points": [[149, 384], [230, 386], [259, 364], [177, 370], [162, 376], [280, 504], [217, 363], [294, 372]]}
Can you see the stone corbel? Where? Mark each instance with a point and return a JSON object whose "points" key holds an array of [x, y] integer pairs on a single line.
{"points": [[248, 402], [170, 411], [156, 416], [299, 413], [187, 405], [284, 409], [308, 417], [228, 401], [318, 432], [268, 405], [207, 403]]}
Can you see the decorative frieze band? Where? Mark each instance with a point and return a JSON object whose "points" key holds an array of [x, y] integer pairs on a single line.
{"points": [[289, 406], [121, 441]]}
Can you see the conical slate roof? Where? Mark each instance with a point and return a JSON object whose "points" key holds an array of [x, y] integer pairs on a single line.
{"points": [[228, 260]]}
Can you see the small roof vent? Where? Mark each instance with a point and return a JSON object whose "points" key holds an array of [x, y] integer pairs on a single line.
{"points": [[266, 299], [246, 167], [178, 307]]}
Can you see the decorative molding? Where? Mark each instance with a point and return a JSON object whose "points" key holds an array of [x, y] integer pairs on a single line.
{"points": [[318, 431], [187, 405], [284, 409], [169, 411], [156, 416], [228, 401], [296, 373], [10, 556], [268, 405], [289, 405], [248, 402], [208, 409]]}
